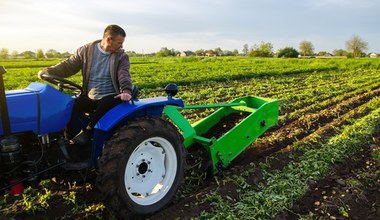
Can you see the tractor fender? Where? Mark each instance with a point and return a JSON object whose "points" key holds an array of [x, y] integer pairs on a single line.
{"points": [[138, 108]]}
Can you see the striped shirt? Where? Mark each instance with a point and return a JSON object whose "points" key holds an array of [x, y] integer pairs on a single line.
{"points": [[100, 82]]}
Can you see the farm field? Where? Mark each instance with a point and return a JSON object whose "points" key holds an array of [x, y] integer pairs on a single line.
{"points": [[322, 160]]}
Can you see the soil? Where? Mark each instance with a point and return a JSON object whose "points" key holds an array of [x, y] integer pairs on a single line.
{"points": [[351, 191]]}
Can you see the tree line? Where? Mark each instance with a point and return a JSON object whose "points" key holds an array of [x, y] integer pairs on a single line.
{"points": [[355, 47], [51, 53]]}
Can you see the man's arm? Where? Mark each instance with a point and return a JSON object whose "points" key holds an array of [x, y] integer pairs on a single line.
{"points": [[65, 68], [124, 76], [69, 66]]}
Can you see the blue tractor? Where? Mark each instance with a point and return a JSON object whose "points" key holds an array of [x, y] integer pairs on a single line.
{"points": [[137, 154]]}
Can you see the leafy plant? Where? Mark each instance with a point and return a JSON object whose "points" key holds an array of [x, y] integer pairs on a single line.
{"points": [[343, 210]]}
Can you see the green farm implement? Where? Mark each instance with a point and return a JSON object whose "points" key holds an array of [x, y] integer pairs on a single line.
{"points": [[255, 115]]}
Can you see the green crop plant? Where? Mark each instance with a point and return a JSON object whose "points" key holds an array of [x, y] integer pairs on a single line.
{"points": [[286, 186], [69, 197], [94, 211], [343, 210], [375, 152], [34, 200], [305, 88]]}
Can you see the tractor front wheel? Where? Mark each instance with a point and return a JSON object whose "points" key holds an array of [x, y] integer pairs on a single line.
{"points": [[141, 166]]}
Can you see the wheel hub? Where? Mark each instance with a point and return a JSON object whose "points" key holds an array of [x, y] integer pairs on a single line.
{"points": [[143, 169], [150, 170]]}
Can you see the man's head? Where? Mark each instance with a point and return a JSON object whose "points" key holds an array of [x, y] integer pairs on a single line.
{"points": [[113, 38]]}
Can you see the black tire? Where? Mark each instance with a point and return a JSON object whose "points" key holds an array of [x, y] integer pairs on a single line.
{"points": [[139, 156]]}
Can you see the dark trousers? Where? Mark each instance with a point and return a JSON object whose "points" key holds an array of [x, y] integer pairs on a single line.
{"points": [[96, 108]]}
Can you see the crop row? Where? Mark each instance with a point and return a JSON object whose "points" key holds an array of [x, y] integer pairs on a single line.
{"points": [[317, 98], [296, 98], [288, 134], [245, 176], [156, 74], [310, 123], [283, 187]]}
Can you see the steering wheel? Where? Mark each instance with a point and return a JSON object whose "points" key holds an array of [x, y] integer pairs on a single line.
{"points": [[62, 83]]}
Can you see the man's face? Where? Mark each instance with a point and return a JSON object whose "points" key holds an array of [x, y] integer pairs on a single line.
{"points": [[115, 44]]}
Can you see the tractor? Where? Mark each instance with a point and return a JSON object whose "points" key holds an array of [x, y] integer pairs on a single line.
{"points": [[138, 148]]}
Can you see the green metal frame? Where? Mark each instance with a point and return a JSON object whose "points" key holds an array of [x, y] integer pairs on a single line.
{"points": [[262, 114]]}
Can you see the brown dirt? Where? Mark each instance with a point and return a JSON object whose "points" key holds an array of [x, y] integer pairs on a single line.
{"points": [[352, 191]]}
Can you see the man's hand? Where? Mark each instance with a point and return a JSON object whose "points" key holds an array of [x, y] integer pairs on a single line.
{"points": [[124, 96], [40, 73]]}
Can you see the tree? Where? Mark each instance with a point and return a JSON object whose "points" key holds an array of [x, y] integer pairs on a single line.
{"points": [[174, 52], [340, 52], [66, 55], [323, 53], [40, 54], [245, 49], [218, 51], [230, 53], [51, 53], [306, 48], [131, 53], [200, 52], [262, 50], [288, 52], [210, 53], [356, 45], [28, 54], [4, 53], [14, 54], [235, 52], [165, 52]]}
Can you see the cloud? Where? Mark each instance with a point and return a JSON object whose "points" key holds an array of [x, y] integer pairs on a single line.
{"points": [[152, 24]]}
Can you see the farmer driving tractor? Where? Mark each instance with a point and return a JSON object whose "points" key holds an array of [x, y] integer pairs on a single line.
{"points": [[106, 79]]}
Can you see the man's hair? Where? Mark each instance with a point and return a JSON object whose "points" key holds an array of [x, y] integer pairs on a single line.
{"points": [[113, 30]]}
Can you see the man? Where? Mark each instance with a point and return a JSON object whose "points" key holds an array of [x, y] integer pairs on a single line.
{"points": [[106, 79]]}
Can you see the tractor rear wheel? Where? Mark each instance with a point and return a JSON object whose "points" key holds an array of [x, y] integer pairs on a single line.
{"points": [[141, 167]]}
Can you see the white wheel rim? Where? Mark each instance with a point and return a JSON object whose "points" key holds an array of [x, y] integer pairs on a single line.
{"points": [[150, 171]]}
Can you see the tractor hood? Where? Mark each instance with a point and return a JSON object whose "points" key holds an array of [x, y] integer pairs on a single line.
{"points": [[39, 108]]}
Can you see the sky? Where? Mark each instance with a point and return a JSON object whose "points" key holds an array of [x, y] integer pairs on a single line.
{"points": [[65, 25]]}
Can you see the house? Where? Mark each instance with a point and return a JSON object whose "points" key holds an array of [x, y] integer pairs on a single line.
{"points": [[373, 55], [186, 53], [210, 54]]}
